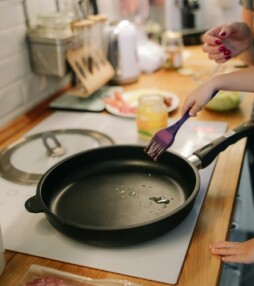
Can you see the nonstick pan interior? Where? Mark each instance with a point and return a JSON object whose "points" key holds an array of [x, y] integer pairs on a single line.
{"points": [[118, 188]]}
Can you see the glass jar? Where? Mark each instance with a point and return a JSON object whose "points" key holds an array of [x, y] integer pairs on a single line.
{"points": [[172, 43], [54, 25], [81, 29], [151, 115]]}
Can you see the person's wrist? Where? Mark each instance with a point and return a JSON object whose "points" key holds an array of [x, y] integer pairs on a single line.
{"points": [[215, 83]]}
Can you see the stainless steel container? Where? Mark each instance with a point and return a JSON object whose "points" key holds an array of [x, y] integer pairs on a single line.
{"points": [[48, 54]]}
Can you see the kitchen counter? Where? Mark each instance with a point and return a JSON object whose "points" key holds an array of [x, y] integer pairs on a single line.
{"points": [[215, 217]]}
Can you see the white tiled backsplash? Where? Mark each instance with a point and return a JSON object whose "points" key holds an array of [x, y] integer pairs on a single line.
{"points": [[20, 88]]}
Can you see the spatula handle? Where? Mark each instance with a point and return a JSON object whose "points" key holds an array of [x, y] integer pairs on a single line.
{"points": [[185, 117], [214, 93], [174, 128]]}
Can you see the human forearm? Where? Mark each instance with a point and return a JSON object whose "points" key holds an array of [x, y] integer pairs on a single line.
{"points": [[241, 80]]}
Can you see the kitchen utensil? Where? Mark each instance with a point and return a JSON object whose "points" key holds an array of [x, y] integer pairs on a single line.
{"points": [[48, 54], [122, 52], [89, 64], [118, 195], [164, 138], [55, 150], [14, 168]]}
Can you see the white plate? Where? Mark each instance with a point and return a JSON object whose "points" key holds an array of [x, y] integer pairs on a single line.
{"points": [[131, 97]]}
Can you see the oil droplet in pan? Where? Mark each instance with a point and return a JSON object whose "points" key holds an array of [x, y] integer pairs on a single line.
{"points": [[132, 194], [159, 200]]}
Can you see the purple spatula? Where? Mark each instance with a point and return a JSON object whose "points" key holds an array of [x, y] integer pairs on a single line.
{"points": [[164, 138]]}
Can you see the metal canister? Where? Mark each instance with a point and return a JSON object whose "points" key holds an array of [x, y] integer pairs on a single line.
{"points": [[173, 45]]}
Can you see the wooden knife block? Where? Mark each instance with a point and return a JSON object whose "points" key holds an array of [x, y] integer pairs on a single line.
{"points": [[92, 69]]}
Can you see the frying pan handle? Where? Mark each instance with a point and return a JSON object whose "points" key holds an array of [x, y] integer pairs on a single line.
{"points": [[209, 152], [34, 205]]}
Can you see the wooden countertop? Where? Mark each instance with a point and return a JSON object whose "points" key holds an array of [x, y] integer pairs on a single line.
{"points": [[215, 217]]}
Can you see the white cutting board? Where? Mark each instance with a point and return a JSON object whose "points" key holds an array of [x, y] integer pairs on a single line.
{"points": [[159, 260]]}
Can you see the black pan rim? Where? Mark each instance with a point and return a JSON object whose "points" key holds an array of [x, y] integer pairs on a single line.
{"points": [[53, 216]]}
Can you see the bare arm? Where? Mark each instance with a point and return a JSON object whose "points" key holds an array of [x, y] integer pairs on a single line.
{"points": [[242, 80]]}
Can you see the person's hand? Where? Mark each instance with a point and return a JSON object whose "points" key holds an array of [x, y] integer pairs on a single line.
{"points": [[224, 42], [238, 252], [198, 98]]}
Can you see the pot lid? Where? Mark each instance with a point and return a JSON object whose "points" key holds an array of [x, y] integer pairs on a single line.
{"points": [[28, 158]]}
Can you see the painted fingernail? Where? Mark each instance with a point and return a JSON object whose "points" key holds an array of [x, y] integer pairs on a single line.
{"points": [[228, 57], [223, 34], [217, 42], [222, 48], [227, 52]]}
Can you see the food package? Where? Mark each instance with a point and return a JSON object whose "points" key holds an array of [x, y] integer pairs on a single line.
{"points": [[38, 275]]}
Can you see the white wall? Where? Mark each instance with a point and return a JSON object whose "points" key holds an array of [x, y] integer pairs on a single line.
{"points": [[20, 88], [211, 13], [220, 11]]}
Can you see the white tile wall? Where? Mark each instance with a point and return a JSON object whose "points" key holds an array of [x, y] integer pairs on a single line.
{"points": [[20, 88]]}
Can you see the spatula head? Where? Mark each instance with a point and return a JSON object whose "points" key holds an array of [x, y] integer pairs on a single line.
{"points": [[161, 141]]}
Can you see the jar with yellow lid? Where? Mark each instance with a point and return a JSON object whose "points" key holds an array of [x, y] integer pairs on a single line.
{"points": [[151, 115]]}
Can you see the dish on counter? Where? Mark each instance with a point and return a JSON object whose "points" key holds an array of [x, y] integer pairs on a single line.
{"points": [[124, 104], [225, 101]]}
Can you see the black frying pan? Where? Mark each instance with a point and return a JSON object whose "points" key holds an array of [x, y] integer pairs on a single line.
{"points": [[118, 194]]}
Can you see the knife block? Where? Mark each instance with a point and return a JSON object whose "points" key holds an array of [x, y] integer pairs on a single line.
{"points": [[92, 69]]}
